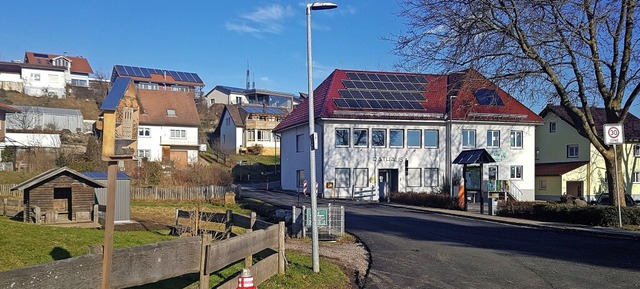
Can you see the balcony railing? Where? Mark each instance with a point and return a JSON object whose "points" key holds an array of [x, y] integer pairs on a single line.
{"points": [[503, 186], [178, 141]]}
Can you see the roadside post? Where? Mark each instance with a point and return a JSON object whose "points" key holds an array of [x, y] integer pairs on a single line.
{"points": [[614, 135]]}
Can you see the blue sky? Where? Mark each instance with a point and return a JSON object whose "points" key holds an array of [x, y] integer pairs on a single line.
{"points": [[215, 39]]}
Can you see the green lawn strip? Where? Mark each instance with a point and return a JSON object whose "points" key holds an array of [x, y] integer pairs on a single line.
{"points": [[24, 244], [191, 205]]}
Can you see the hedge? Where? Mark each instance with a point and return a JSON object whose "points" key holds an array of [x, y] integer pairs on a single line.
{"points": [[606, 216], [444, 201]]}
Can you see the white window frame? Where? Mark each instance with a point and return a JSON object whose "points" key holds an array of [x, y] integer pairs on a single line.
{"points": [[144, 132], [414, 177], [178, 133], [356, 137], [516, 139], [299, 143], [553, 127], [428, 132], [343, 177], [491, 138], [250, 134], [384, 137], [401, 131], [635, 177], [542, 185], [361, 177], [573, 151], [264, 135], [419, 144], [144, 153], [300, 178], [429, 179], [515, 172], [347, 137], [468, 138], [636, 150]]}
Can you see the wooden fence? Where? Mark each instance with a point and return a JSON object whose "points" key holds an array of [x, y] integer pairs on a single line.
{"points": [[180, 193], [151, 263], [5, 191], [10, 206]]}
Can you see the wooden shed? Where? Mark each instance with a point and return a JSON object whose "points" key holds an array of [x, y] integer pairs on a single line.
{"points": [[59, 195]]}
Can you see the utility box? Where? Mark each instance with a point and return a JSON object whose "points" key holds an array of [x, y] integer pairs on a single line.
{"points": [[493, 206]]}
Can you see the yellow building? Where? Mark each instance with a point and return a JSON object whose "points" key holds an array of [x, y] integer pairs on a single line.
{"points": [[567, 162]]}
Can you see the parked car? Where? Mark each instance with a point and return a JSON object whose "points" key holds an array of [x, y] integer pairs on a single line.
{"points": [[603, 200]]}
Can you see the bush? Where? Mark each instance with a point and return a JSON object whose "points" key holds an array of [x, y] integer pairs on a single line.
{"points": [[444, 201], [567, 213]]}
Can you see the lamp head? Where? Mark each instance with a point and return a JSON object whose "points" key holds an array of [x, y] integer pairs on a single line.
{"points": [[321, 6]]}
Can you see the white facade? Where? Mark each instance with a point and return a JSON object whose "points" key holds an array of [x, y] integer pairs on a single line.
{"points": [[42, 82], [152, 138], [350, 170], [230, 133], [10, 81]]}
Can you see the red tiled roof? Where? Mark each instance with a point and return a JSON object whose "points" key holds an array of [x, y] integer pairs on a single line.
{"points": [[462, 84], [155, 103], [8, 108], [631, 123], [557, 169], [79, 64]]}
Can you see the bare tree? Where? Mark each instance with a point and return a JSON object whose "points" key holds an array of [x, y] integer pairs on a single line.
{"points": [[580, 53]]}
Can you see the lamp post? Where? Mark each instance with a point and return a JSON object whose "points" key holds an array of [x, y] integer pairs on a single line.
{"points": [[313, 144], [450, 99]]}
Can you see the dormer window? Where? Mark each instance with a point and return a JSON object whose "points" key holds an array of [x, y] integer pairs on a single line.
{"points": [[488, 97], [171, 113]]}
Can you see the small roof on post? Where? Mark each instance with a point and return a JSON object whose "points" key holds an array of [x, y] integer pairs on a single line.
{"points": [[477, 156]]}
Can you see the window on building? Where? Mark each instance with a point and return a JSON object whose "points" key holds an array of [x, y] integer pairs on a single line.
{"points": [[468, 138], [396, 138], [516, 139], [431, 138], [552, 126], [144, 131], [80, 82], [171, 112], [431, 177], [179, 88], [264, 135], [300, 178], [342, 178], [361, 178], [360, 137], [636, 150], [299, 143], [414, 177], [636, 177], [144, 154], [537, 153], [542, 185], [516, 172], [414, 138], [238, 99], [178, 133], [379, 137], [493, 138], [342, 137], [572, 150], [35, 76], [147, 86], [250, 134]]}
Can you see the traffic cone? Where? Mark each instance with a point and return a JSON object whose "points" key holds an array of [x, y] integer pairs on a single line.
{"points": [[245, 280]]}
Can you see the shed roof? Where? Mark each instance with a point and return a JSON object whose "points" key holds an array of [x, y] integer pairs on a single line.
{"points": [[52, 173], [116, 93], [557, 169], [477, 156], [104, 175]]}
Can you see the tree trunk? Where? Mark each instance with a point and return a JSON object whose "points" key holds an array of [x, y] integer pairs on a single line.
{"points": [[610, 165]]}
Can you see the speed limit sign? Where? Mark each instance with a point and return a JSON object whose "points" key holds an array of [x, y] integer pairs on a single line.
{"points": [[613, 133]]}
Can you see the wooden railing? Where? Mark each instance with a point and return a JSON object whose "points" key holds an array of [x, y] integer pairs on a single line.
{"points": [[151, 263]]}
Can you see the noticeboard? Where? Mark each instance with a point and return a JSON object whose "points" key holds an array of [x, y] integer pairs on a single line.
{"points": [[322, 217], [473, 178]]}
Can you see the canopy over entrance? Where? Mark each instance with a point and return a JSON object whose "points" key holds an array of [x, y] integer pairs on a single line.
{"points": [[477, 156]]}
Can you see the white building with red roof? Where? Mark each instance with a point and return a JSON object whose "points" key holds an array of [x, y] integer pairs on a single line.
{"points": [[384, 132], [45, 74]]}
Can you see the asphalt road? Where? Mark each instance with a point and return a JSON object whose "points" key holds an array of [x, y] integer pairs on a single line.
{"points": [[417, 249]]}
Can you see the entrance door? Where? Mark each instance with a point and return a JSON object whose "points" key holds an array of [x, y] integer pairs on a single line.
{"points": [[62, 202], [387, 182], [575, 189]]}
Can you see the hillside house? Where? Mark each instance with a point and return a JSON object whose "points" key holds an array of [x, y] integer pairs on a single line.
{"points": [[46, 74], [381, 132], [242, 128], [160, 79]]}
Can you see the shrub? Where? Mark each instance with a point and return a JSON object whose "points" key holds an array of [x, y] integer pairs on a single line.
{"points": [[569, 213], [444, 201]]}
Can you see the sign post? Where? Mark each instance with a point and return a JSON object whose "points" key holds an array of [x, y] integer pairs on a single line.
{"points": [[614, 135]]}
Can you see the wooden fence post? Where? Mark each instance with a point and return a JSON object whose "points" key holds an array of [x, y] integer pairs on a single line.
{"points": [[204, 277], [281, 232], [227, 224], [248, 261]]}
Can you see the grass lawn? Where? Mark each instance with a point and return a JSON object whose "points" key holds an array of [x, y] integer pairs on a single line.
{"points": [[23, 244]]}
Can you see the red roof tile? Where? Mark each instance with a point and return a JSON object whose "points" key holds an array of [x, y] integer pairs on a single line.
{"points": [[8, 108], [557, 169], [79, 64], [463, 85], [155, 103]]}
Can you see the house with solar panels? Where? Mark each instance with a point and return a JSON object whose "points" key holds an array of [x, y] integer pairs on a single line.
{"points": [[382, 132], [159, 79], [249, 96], [46, 74]]}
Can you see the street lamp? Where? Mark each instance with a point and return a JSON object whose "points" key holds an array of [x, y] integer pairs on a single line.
{"points": [[315, 256], [450, 100]]}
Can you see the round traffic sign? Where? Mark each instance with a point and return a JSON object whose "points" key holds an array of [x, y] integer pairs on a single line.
{"points": [[613, 132]]}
